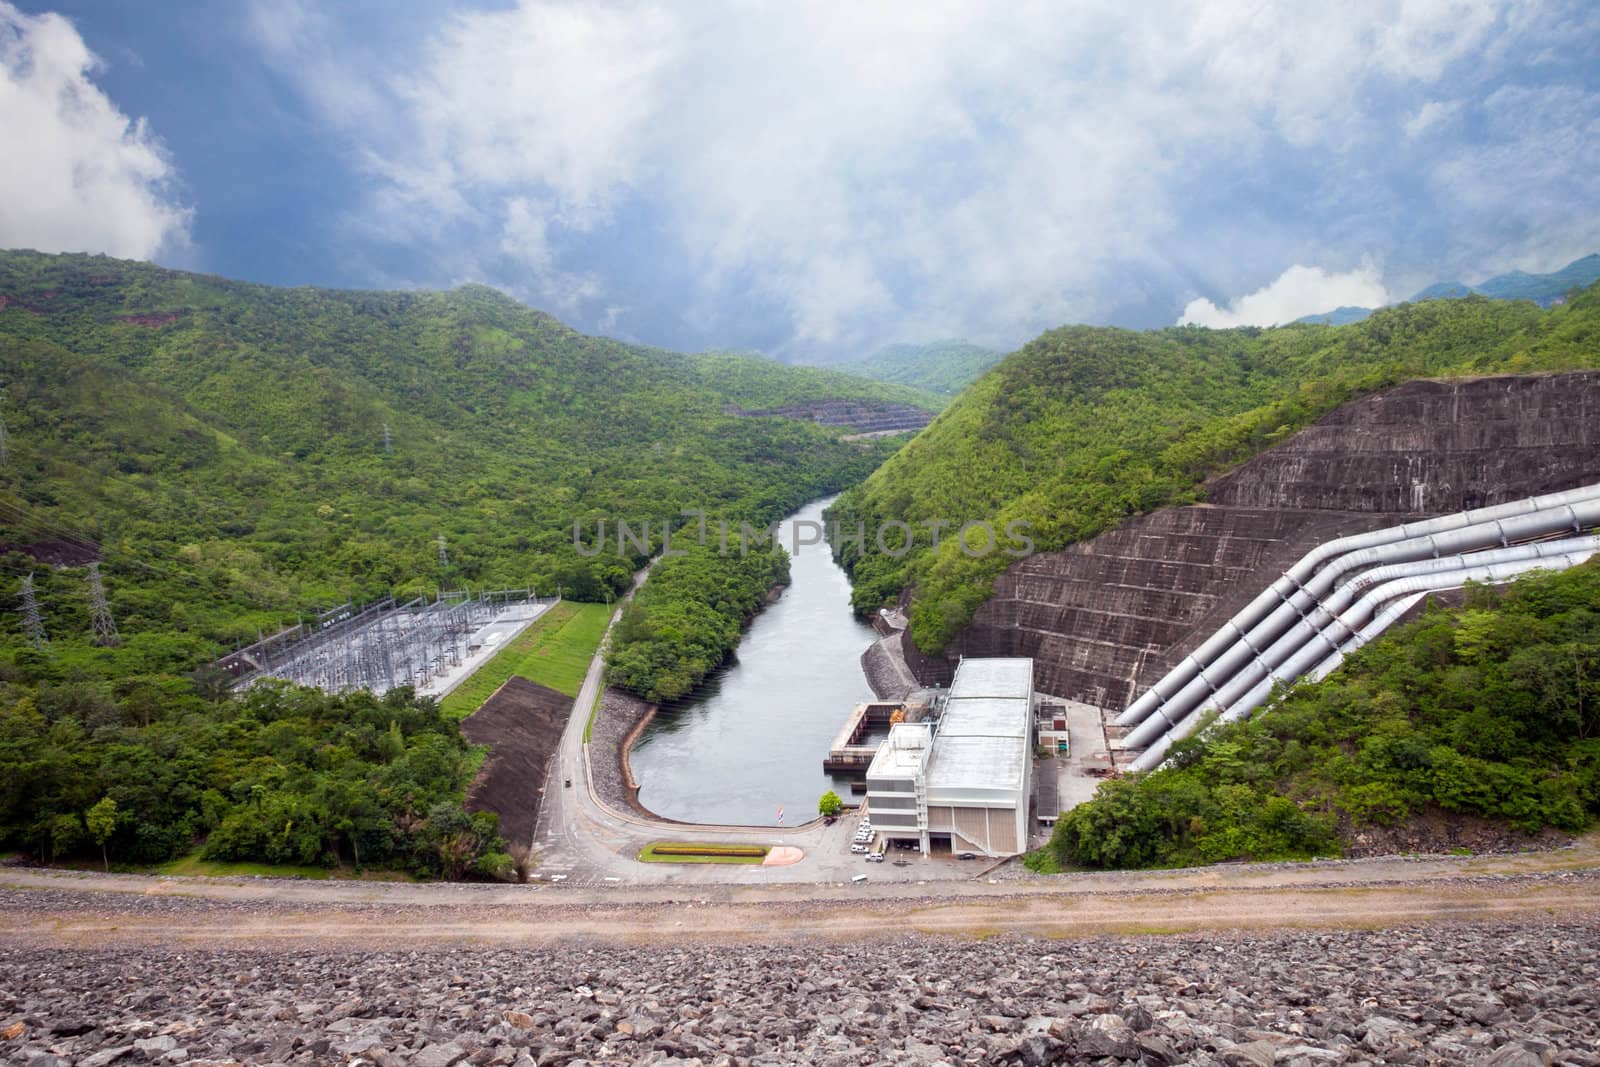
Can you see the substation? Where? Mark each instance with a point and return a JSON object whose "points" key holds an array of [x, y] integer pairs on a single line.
{"points": [[429, 644]]}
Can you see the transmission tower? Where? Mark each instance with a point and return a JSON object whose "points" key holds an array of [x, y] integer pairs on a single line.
{"points": [[444, 557], [388, 441], [32, 621], [105, 627], [5, 448]]}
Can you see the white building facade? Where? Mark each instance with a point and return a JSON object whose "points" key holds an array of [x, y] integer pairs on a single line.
{"points": [[965, 778]]}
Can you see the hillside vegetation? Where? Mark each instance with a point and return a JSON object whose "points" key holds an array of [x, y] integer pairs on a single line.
{"points": [[943, 368], [137, 770], [1491, 709], [1086, 426], [237, 454]]}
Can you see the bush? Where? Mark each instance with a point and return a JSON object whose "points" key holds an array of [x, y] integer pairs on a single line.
{"points": [[1489, 710]]}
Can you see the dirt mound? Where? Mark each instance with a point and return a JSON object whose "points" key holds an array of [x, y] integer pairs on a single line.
{"points": [[56, 552], [521, 723]]}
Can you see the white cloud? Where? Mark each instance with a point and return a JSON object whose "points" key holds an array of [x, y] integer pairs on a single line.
{"points": [[1431, 114], [865, 169], [75, 173], [1297, 292], [1520, 193]]}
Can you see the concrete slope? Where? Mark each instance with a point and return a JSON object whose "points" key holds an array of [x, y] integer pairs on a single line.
{"points": [[1106, 618]]}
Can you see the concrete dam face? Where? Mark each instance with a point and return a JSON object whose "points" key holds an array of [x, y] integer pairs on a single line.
{"points": [[1106, 618]]}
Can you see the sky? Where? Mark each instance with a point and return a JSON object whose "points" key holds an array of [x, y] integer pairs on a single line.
{"points": [[815, 180]]}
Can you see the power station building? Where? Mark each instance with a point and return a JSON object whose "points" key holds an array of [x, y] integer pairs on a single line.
{"points": [[964, 774]]}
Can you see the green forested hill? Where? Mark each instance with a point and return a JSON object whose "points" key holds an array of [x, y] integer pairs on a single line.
{"points": [[236, 454], [233, 435], [943, 368], [1086, 426]]}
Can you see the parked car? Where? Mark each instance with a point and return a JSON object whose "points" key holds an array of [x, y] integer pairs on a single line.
{"points": [[967, 856], [858, 847], [874, 857]]}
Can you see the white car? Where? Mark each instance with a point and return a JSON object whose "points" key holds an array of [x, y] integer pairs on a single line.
{"points": [[874, 857], [858, 847]]}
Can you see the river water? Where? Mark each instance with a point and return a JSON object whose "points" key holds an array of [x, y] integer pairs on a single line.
{"points": [[750, 741]]}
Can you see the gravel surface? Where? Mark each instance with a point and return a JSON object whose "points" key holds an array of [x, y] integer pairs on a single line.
{"points": [[1511, 994], [886, 669], [619, 714]]}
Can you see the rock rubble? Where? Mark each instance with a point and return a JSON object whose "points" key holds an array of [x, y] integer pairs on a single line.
{"points": [[1521, 993], [619, 714]]}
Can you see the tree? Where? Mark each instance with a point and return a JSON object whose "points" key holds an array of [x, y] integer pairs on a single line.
{"points": [[521, 861], [65, 833], [102, 820], [830, 804]]}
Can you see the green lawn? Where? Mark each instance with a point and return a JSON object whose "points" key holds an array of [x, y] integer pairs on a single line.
{"points": [[649, 855], [555, 651], [192, 864], [594, 711]]}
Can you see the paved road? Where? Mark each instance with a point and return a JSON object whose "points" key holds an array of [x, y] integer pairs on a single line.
{"points": [[51, 907], [581, 840]]}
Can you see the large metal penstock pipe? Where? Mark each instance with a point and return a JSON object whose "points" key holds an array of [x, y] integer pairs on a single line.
{"points": [[1244, 652], [1315, 573], [1365, 611], [1401, 582], [1323, 630], [1372, 607]]}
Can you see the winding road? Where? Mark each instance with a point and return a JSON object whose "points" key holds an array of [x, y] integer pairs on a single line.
{"points": [[582, 840]]}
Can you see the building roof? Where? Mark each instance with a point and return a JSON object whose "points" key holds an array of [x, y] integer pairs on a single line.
{"points": [[1011, 677], [962, 763], [902, 752], [985, 733], [985, 717], [984, 737]]}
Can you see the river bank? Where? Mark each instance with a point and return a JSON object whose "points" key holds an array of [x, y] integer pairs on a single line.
{"points": [[747, 747], [617, 725]]}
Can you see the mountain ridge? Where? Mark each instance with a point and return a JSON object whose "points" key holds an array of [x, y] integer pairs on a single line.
{"points": [[297, 447], [1543, 289], [1084, 427]]}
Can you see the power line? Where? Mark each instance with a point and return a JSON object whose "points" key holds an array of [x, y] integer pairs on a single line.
{"points": [[105, 627], [32, 621]]}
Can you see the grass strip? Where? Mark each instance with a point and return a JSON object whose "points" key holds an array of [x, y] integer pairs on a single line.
{"points": [[555, 652], [192, 864], [682, 852]]}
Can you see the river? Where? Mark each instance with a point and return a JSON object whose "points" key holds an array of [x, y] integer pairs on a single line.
{"points": [[750, 741]]}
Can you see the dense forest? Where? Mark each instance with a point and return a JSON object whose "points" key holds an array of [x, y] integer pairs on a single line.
{"points": [[236, 454], [137, 770], [1086, 426], [1488, 709], [688, 616]]}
